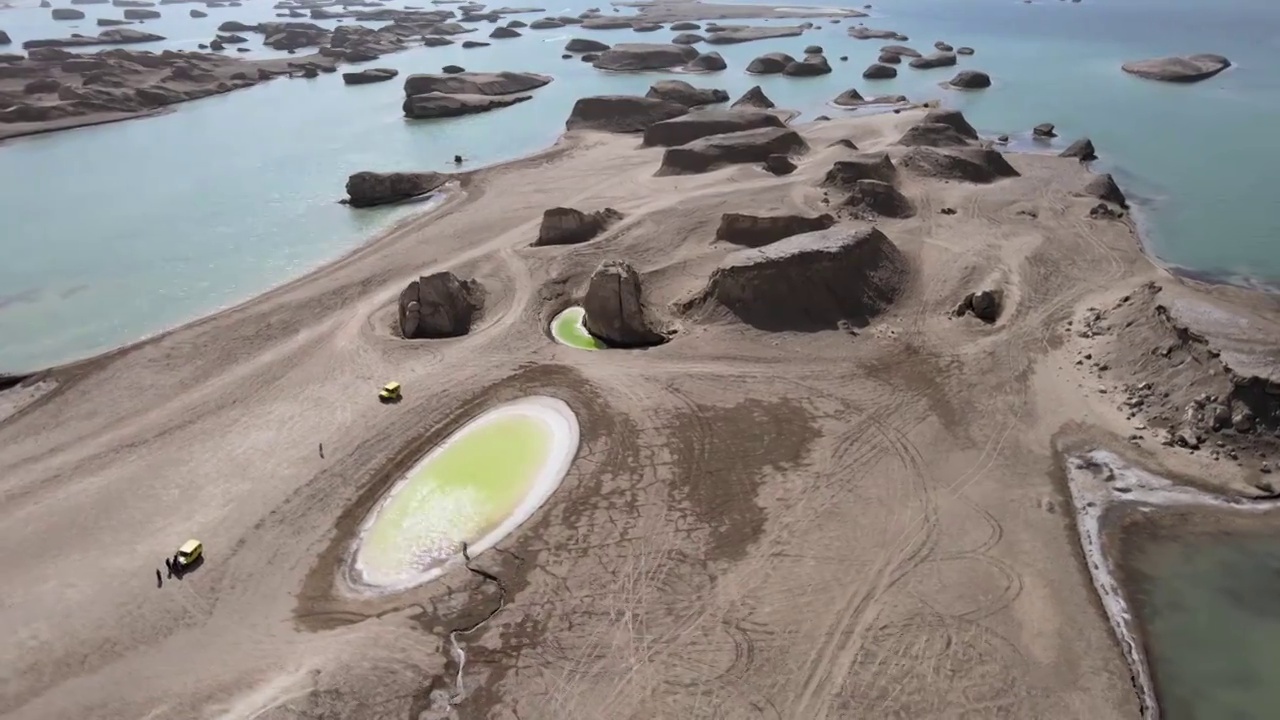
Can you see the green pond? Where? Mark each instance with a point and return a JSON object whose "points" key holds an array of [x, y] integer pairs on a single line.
{"points": [[568, 329], [1208, 605], [475, 487]]}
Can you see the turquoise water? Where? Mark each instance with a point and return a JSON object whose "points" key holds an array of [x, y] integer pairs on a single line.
{"points": [[1209, 606], [115, 232]]}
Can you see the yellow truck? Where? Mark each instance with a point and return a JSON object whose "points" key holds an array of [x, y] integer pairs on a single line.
{"points": [[390, 393], [189, 554]]}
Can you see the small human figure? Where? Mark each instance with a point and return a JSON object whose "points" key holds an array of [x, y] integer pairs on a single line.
{"points": [[168, 564], [457, 159], [321, 451], [159, 579]]}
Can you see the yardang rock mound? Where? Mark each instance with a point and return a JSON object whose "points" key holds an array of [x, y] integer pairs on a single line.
{"points": [[621, 113], [807, 282], [614, 307], [1192, 68], [756, 230], [749, 146], [567, 226], [975, 165], [439, 306]]}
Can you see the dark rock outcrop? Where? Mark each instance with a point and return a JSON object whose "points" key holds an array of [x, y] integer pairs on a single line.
{"points": [[749, 146], [141, 14], [871, 198], [900, 50], [1044, 130], [503, 33], [845, 174], [807, 282], [683, 26], [933, 135], [970, 80], [972, 164], [753, 98], [964, 51], [779, 164], [368, 76], [66, 14], [4, 38], [1081, 149], [632, 57], [682, 93], [736, 35], [707, 62], [811, 66], [687, 39], [1104, 187], [114, 36], [581, 45], [439, 306], [566, 226], [889, 59], [936, 60], [1192, 68], [984, 305], [366, 189], [878, 71], [621, 113], [770, 64], [442, 105], [546, 24], [757, 230], [953, 118], [703, 123], [862, 32], [198, 13], [474, 83], [614, 307]]}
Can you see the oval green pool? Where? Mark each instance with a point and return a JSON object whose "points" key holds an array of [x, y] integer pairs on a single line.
{"points": [[477, 486], [568, 328]]}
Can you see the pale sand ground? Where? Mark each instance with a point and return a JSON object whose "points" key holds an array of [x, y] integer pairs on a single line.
{"points": [[758, 525]]}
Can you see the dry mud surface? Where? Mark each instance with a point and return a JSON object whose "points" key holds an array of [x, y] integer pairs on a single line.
{"points": [[758, 525]]}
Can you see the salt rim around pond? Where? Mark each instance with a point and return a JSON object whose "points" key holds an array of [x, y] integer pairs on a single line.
{"points": [[476, 487], [569, 328]]}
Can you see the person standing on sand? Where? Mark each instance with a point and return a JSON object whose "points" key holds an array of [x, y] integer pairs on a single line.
{"points": [[321, 451], [159, 579], [168, 565]]}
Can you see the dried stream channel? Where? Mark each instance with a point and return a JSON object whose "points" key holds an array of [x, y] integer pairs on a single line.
{"points": [[1192, 606]]}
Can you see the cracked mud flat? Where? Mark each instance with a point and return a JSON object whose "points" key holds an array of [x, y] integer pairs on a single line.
{"points": [[757, 525]]}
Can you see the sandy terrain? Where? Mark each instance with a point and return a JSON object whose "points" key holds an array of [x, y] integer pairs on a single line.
{"points": [[759, 525]]}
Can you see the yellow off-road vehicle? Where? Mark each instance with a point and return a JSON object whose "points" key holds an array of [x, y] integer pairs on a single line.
{"points": [[390, 392], [190, 553]]}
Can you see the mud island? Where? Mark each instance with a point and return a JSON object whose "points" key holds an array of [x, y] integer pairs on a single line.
{"points": [[843, 451]]}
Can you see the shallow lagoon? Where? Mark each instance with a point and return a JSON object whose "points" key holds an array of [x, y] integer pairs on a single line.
{"points": [[179, 215], [568, 329], [1207, 604], [477, 486]]}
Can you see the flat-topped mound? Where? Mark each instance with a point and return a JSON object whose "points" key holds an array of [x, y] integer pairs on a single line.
{"points": [[1192, 68], [869, 199], [807, 282], [621, 113], [757, 230], [474, 83], [632, 57], [748, 146], [846, 173], [682, 93], [971, 164], [703, 123]]}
